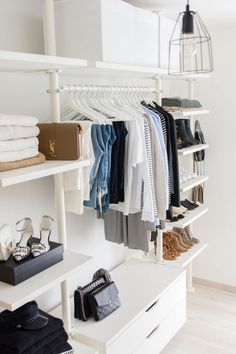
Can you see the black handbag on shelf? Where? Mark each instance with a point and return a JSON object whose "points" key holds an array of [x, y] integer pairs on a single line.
{"points": [[104, 300], [82, 304]]}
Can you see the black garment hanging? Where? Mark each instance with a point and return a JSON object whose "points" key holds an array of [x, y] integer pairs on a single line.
{"points": [[171, 152], [116, 187]]}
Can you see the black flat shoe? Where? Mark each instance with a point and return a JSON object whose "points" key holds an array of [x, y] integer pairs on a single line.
{"points": [[189, 205]]}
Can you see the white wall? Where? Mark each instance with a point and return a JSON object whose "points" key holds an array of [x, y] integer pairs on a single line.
{"points": [[218, 263], [217, 227]]}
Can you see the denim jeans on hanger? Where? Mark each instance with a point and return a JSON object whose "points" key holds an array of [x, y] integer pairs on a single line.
{"points": [[99, 151]]}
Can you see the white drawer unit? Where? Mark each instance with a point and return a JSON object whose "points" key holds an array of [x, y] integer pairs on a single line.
{"points": [[151, 295]]}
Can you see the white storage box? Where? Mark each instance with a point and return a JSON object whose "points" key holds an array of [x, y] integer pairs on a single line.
{"points": [[95, 30], [166, 27], [145, 38]]}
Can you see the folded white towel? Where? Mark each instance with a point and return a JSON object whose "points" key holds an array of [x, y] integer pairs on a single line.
{"points": [[17, 132], [24, 121], [18, 144], [18, 155]]}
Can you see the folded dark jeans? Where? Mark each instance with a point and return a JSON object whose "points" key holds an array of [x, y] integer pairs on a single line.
{"points": [[66, 348], [52, 348], [20, 341]]}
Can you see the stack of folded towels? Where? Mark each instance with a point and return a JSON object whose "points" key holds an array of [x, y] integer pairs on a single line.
{"points": [[29, 330], [19, 142]]}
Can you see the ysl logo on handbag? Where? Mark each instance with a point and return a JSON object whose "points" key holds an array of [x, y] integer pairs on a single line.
{"points": [[52, 148]]}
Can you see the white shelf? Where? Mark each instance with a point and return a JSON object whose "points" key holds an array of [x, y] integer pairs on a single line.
{"points": [[184, 259], [12, 297], [192, 149], [189, 112], [193, 182], [189, 218], [25, 62], [48, 168], [80, 348]]}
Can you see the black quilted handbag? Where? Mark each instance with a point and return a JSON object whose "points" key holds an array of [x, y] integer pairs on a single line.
{"points": [[82, 308], [104, 301]]}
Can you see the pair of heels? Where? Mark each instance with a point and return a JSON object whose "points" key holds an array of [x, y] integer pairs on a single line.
{"points": [[24, 247]]}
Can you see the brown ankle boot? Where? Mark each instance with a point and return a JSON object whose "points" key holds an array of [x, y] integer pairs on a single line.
{"points": [[173, 241], [167, 254], [166, 242], [188, 231], [183, 235], [181, 242]]}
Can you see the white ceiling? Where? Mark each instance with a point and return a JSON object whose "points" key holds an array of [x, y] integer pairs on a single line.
{"points": [[211, 11]]}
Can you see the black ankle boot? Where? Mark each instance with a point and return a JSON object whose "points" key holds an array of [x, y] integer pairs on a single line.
{"points": [[189, 132], [183, 139]]}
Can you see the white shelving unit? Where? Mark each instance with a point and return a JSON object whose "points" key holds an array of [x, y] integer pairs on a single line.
{"points": [[192, 149], [189, 112], [81, 348], [48, 168], [189, 218], [25, 62], [186, 186], [184, 259], [13, 297]]}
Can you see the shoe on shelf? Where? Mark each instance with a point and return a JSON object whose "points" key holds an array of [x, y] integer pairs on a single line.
{"points": [[173, 242], [189, 205], [184, 236], [179, 210], [22, 249], [180, 240], [186, 175], [7, 242], [189, 233], [37, 249], [183, 140], [189, 132], [168, 255]]}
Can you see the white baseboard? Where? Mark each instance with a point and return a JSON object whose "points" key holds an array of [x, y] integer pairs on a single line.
{"points": [[214, 285]]}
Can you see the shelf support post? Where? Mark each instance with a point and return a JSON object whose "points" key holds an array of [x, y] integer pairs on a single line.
{"points": [[190, 287], [59, 188], [158, 87]]}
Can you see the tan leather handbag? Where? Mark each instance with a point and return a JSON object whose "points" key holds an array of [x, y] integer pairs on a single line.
{"points": [[60, 141]]}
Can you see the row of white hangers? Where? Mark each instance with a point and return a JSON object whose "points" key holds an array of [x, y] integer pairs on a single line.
{"points": [[104, 104]]}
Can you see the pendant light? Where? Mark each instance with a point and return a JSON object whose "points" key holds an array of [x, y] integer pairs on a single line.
{"points": [[190, 49]]}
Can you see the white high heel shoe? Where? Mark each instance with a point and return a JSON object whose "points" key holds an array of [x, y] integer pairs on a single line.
{"points": [[7, 243], [23, 247], [37, 249]]}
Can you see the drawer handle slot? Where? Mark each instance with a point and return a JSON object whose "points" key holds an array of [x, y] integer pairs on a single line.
{"points": [[152, 306], [153, 332]]}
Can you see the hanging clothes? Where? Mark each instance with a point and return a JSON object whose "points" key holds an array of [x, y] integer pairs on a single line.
{"points": [[134, 174]]}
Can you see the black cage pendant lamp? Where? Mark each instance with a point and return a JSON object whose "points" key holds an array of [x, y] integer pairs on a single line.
{"points": [[190, 49]]}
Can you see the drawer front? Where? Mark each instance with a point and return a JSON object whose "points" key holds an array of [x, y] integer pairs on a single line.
{"points": [[136, 334], [167, 302], [164, 331]]}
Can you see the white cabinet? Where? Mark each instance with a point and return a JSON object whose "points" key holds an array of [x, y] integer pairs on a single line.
{"points": [[145, 41], [166, 27], [153, 308], [95, 30]]}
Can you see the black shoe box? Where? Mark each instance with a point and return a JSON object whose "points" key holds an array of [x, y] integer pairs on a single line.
{"points": [[13, 272]]}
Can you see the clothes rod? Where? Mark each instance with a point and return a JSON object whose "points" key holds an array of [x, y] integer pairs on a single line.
{"points": [[111, 89]]}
